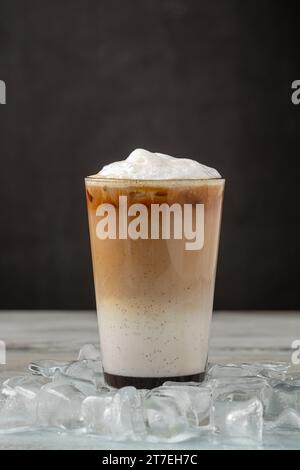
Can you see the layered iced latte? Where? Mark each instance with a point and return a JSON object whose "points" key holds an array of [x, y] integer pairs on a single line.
{"points": [[154, 227]]}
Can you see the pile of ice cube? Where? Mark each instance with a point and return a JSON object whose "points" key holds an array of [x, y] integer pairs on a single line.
{"points": [[236, 401]]}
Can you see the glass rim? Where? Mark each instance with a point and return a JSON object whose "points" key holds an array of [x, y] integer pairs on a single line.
{"points": [[135, 181]]}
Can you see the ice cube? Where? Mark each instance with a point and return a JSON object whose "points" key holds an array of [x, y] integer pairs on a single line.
{"points": [[242, 388], [19, 410], [163, 418], [2, 401], [84, 386], [288, 420], [86, 369], [96, 413], [17, 413], [168, 413], [229, 370], [59, 405], [239, 419], [193, 401], [5, 375], [47, 367], [285, 395], [237, 408], [127, 412], [270, 370], [89, 351], [172, 383], [25, 384], [293, 381], [117, 415]]}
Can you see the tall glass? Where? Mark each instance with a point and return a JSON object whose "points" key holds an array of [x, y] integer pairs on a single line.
{"points": [[154, 251]]}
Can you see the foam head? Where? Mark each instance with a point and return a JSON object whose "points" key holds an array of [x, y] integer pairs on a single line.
{"points": [[145, 165]]}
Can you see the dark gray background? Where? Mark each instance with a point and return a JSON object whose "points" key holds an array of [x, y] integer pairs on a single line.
{"points": [[90, 80]]}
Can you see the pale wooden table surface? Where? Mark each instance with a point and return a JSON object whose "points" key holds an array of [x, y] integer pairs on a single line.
{"points": [[235, 337]]}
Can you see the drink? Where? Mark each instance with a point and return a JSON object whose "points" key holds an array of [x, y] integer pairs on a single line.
{"points": [[154, 276]]}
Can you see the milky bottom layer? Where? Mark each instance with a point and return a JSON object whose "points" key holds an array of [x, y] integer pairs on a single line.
{"points": [[170, 341]]}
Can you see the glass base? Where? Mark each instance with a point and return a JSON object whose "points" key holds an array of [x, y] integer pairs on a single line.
{"points": [[119, 381]]}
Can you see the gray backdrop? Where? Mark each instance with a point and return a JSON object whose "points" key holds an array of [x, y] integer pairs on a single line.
{"points": [[88, 81]]}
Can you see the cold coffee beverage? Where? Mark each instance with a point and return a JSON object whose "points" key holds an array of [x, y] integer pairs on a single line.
{"points": [[154, 227]]}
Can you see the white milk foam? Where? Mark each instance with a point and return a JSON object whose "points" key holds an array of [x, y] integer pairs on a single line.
{"points": [[145, 165]]}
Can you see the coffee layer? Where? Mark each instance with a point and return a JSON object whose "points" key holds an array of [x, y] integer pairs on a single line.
{"points": [[119, 381]]}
